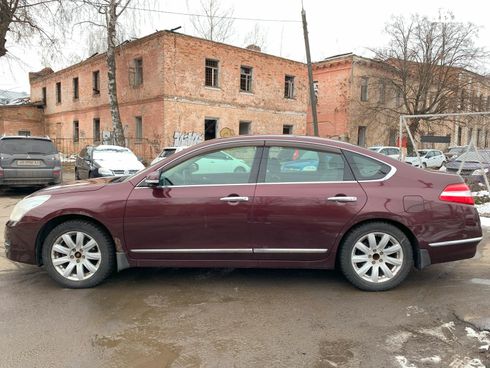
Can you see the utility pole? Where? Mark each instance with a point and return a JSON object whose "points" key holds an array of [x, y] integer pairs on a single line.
{"points": [[310, 73]]}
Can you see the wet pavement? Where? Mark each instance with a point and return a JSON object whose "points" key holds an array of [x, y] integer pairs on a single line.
{"points": [[183, 318]]}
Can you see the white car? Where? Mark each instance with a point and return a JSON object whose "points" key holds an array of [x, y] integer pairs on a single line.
{"points": [[222, 160], [167, 151], [428, 158], [393, 152]]}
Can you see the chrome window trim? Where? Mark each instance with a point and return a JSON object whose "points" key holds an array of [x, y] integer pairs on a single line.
{"points": [[233, 250], [196, 186], [455, 242], [309, 182]]}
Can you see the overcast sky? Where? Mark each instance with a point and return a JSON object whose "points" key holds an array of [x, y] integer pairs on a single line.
{"points": [[334, 26]]}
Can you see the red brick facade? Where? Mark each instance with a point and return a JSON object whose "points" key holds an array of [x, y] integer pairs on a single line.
{"points": [[172, 102], [21, 119]]}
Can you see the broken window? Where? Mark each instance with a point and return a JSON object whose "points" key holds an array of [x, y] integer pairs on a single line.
{"points": [[58, 92], [364, 88], [96, 83], [245, 79], [289, 86], [212, 73]]}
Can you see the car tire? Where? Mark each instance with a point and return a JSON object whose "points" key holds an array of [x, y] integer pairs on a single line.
{"points": [[381, 270], [239, 169], [85, 261]]}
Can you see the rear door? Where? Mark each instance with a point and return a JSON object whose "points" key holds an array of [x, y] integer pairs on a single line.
{"points": [[300, 210]]}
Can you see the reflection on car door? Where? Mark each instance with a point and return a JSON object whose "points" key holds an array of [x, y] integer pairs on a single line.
{"points": [[193, 215], [299, 214]]}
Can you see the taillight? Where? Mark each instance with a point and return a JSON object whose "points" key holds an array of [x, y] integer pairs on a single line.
{"points": [[458, 193]]}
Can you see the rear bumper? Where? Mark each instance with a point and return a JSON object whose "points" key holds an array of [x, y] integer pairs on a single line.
{"points": [[26, 177]]}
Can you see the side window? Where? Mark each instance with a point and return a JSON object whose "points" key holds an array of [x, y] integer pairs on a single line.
{"points": [[384, 151], [228, 166], [289, 164], [366, 168]]}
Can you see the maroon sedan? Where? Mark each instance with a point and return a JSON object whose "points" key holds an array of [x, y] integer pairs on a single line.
{"points": [[260, 201]]}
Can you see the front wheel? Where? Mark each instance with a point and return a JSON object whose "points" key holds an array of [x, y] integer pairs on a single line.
{"points": [[78, 254], [376, 256]]}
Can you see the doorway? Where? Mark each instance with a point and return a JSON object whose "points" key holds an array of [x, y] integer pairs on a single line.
{"points": [[210, 129]]}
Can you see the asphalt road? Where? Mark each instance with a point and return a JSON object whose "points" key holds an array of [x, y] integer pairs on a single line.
{"points": [[183, 318]]}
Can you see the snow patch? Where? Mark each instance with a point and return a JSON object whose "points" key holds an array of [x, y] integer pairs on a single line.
{"points": [[485, 221], [480, 281], [483, 337], [440, 332], [436, 359], [466, 363], [396, 341], [413, 309]]}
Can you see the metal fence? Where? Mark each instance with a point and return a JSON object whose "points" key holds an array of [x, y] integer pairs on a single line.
{"points": [[145, 149]]}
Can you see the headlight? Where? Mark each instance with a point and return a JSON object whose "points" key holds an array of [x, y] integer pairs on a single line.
{"points": [[480, 172], [26, 205], [105, 172]]}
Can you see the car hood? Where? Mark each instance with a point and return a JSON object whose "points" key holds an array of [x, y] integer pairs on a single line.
{"points": [[118, 164], [412, 159], [76, 186]]}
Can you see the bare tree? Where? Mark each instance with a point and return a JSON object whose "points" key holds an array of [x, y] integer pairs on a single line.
{"points": [[21, 20], [257, 37], [111, 11], [429, 65], [216, 23]]}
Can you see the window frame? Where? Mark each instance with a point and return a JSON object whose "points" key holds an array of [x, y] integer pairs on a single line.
{"points": [[58, 93], [99, 138], [247, 79], [364, 89], [96, 82], [289, 87], [215, 73], [76, 128], [138, 128], [76, 88]]}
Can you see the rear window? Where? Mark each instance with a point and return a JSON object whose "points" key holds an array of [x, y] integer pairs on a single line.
{"points": [[366, 168], [12, 146]]}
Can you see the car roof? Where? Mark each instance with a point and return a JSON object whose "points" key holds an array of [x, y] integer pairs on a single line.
{"points": [[109, 147], [25, 137]]}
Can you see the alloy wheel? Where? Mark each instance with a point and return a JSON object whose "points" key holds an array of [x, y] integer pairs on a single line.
{"points": [[377, 257], [76, 256]]}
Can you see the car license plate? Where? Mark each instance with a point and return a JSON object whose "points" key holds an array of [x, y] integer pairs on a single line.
{"points": [[28, 162]]}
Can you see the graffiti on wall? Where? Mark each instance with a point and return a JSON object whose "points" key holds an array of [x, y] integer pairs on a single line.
{"points": [[187, 139]]}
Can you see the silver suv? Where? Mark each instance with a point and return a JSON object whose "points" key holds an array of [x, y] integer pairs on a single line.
{"points": [[29, 161]]}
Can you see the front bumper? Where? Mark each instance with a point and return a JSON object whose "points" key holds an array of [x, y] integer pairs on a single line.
{"points": [[20, 242]]}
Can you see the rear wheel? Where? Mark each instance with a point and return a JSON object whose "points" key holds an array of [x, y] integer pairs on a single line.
{"points": [[78, 254], [376, 256]]}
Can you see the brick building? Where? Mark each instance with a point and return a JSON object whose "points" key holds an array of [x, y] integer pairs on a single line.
{"points": [[173, 89], [352, 91], [25, 119]]}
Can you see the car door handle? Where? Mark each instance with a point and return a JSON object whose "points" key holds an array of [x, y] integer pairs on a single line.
{"points": [[342, 199], [234, 199]]}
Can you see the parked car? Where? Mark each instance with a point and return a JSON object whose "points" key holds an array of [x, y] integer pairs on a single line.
{"points": [[471, 169], [106, 160], [453, 152], [166, 152], [373, 217], [428, 158], [393, 152], [29, 161]]}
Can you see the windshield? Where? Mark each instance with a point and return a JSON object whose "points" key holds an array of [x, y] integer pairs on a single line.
{"points": [[473, 156], [114, 154], [12, 146]]}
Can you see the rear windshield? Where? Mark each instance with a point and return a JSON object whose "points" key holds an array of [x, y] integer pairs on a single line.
{"points": [[12, 146]]}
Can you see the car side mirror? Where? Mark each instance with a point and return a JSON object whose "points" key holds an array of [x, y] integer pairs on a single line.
{"points": [[153, 179]]}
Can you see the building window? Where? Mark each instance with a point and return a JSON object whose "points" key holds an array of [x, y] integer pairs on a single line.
{"points": [[364, 88], [470, 133], [75, 88], [138, 120], [212, 73], [96, 130], [25, 133], [460, 135], [96, 83], [244, 128], [488, 104], [462, 100], [361, 135], [287, 129], [44, 96], [478, 133], [58, 92], [289, 86], [210, 126], [245, 79], [136, 73], [76, 131], [382, 91], [486, 138]]}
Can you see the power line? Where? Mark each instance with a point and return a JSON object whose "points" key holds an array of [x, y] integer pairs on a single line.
{"points": [[220, 17]]}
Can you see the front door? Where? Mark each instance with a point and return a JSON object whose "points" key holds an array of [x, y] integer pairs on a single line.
{"points": [[304, 198], [201, 210]]}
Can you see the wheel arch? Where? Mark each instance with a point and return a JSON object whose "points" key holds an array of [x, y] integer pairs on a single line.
{"points": [[411, 237], [51, 224]]}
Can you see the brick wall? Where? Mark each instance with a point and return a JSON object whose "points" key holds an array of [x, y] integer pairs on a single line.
{"points": [[14, 119]]}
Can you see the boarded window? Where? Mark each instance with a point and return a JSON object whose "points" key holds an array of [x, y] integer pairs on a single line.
{"points": [[96, 83], [245, 79], [212, 73], [288, 86]]}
